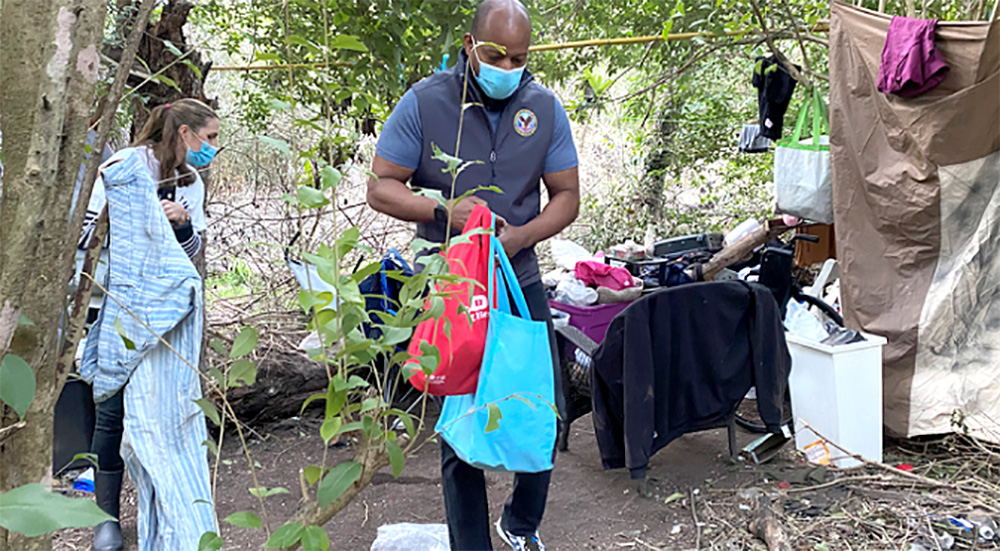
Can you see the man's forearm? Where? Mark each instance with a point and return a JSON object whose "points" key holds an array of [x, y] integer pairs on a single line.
{"points": [[559, 213], [394, 198]]}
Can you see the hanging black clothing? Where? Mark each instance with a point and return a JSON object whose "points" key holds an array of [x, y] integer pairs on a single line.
{"points": [[681, 360], [775, 87]]}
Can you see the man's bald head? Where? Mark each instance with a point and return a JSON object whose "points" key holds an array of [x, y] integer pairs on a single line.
{"points": [[502, 22], [509, 9]]}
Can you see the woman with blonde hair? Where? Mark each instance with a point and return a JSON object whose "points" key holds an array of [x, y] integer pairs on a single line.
{"points": [[143, 350]]}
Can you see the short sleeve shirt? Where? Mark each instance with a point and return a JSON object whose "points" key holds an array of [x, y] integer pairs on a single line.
{"points": [[401, 141]]}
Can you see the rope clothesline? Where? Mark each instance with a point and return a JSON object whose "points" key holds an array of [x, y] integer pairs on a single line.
{"points": [[676, 37]]}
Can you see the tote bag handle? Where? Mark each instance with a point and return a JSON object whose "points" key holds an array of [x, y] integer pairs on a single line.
{"points": [[507, 277], [820, 121]]}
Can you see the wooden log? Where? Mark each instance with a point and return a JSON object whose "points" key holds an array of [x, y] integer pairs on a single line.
{"points": [[741, 250], [765, 525], [284, 381]]}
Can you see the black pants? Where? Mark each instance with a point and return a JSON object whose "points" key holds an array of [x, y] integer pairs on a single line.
{"points": [[108, 430], [464, 486]]}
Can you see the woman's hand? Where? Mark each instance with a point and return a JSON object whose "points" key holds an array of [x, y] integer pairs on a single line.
{"points": [[175, 212]]}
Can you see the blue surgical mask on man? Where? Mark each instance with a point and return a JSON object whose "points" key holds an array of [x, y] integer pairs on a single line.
{"points": [[203, 156], [495, 82]]}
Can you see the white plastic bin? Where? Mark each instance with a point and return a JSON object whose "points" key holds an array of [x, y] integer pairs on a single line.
{"points": [[838, 391]]}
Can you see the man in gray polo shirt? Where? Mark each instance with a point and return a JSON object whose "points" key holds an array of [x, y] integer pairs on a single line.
{"points": [[521, 133]]}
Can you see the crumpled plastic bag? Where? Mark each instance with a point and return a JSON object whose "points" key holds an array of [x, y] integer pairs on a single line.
{"points": [[567, 253], [802, 323], [411, 537], [574, 292]]}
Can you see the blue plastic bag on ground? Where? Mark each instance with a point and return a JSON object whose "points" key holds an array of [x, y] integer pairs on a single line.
{"points": [[516, 377]]}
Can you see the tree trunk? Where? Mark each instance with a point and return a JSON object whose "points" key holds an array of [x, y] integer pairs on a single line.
{"points": [[47, 74], [158, 57]]}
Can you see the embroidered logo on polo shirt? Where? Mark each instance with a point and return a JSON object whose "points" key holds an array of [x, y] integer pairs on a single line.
{"points": [[525, 122]]}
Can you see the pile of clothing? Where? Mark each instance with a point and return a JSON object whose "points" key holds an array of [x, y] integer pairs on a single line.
{"points": [[583, 279]]}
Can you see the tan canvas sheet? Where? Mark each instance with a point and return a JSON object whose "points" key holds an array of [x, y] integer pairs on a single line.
{"points": [[917, 209]]}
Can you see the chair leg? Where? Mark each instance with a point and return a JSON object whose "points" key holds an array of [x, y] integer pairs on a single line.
{"points": [[731, 430]]}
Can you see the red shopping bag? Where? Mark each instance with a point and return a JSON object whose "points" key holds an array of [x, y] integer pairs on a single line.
{"points": [[462, 353]]}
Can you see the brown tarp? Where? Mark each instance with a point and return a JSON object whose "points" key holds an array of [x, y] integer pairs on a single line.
{"points": [[917, 210]]}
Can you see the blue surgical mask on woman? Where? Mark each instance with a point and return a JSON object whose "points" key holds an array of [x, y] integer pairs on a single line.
{"points": [[203, 156], [495, 82]]}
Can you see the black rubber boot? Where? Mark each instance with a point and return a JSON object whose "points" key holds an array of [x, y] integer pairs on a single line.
{"points": [[107, 489]]}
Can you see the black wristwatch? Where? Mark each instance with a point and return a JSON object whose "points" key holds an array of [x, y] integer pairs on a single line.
{"points": [[441, 214]]}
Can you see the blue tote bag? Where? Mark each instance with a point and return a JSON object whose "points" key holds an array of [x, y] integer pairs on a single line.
{"points": [[516, 377]]}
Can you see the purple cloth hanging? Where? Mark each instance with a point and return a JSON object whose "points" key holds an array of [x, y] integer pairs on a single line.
{"points": [[911, 65]]}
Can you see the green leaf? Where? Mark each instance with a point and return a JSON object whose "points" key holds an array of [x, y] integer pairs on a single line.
{"points": [[88, 457], [335, 399], [394, 335], [673, 497], [244, 519], [216, 373], [337, 481], [313, 473], [263, 492], [314, 299], [245, 342], [23, 320], [311, 399], [350, 427], [434, 194], [285, 536], [280, 145], [129, 345], [347, 241], [370, 403], [451, 162], [168, 81], [17, 384], [211, 447], [370, 269], [356, 382], [208, 408], [348, 42], [311, 198], [173, 49], [210, 541], [315, 539], [407, 420], [395, 457], [330, 429], [493, 423], [194, 68], [33, 510], [217, 345], [330, 177], [243, 370]]}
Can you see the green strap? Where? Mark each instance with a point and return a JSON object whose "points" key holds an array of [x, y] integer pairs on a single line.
{"points": [[816, 107]]}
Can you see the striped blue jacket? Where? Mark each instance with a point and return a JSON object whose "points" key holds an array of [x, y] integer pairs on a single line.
{"points": [[149, 273]]}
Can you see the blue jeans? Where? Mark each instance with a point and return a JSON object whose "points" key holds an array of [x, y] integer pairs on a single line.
{"points": [[464, 486]]}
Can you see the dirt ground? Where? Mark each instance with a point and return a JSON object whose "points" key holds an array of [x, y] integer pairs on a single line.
{"points": [[588, 508]]}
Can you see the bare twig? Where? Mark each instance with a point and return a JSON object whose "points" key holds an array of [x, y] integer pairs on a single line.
{"points": [[697, 523], [769, 39], [883, 466], [8, 431]]}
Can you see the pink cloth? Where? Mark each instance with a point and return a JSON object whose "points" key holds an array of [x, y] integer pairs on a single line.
{"points": [[598, 274], [911, 65]]}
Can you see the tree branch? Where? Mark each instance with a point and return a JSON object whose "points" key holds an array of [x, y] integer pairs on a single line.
{"points": [[769, 39]]}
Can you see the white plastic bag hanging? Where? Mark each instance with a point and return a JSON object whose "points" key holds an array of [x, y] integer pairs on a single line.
{"points": [[802, 180]]}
